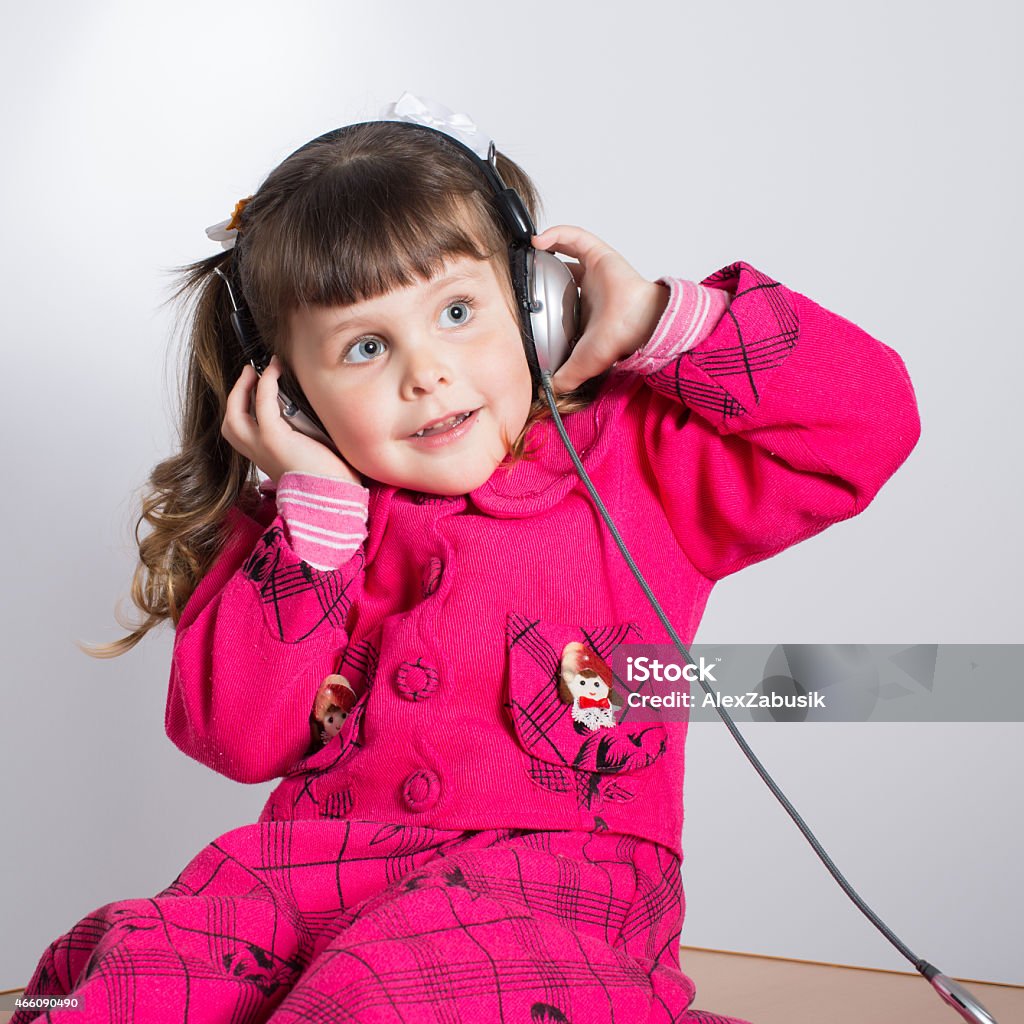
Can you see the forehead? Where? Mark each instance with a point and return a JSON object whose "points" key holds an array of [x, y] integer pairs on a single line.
{"points": [[320, 323]]}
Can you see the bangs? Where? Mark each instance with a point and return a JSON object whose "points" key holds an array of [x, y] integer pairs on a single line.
{"points": [[359, 231]]}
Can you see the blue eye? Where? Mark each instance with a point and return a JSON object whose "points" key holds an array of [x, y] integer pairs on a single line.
{"points": [[459, 312], [364, 350]]}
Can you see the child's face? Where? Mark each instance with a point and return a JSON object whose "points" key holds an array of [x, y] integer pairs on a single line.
{"points": [[402, 361]]}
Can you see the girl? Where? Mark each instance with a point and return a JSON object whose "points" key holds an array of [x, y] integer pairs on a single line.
{"points": [[458, 850]]}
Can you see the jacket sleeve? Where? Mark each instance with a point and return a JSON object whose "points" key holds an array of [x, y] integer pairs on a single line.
{"points": [[256, 639], [782, 420]]}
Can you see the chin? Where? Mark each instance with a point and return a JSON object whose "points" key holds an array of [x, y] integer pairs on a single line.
{"points": [[458, 480], [455, 485]]}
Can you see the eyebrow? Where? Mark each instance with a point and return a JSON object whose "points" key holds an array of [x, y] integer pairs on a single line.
{"points": [[342, 323]]}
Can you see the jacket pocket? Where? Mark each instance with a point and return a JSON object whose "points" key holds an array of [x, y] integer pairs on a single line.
{"points": [[578, 739]]}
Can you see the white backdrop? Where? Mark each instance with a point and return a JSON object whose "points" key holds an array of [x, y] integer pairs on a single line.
{"points": [[867, 155]]}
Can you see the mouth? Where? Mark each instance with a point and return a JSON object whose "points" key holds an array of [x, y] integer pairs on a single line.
{"points": [[442, 426]]}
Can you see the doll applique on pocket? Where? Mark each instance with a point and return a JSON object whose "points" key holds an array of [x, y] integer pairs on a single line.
{"points": [[334, 724], [570, 713], [335, 719], [335, 701]]}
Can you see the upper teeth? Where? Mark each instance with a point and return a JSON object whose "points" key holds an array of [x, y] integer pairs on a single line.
{"points": [[446, 425]]}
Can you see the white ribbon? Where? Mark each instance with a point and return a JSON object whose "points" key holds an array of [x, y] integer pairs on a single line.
{"points": [[436, 115], [219, 233]]}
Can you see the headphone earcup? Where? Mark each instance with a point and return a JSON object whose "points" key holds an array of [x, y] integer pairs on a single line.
{"points": [[554, 308]]}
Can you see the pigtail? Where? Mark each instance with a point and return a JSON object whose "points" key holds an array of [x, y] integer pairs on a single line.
{"points": [[188, 496]]}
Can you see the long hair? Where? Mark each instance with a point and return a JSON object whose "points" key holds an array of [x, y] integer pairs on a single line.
{"points": [[349, 217]]}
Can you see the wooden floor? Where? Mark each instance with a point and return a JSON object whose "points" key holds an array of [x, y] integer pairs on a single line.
{"points": [[765, 990]]}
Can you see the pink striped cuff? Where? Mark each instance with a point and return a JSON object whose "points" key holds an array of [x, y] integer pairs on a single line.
{"points": [[692, 313], [324, 518]]}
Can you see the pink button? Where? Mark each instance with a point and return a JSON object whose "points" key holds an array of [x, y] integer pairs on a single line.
{"points": [[432, 576], [421, 790], [416, 680]]}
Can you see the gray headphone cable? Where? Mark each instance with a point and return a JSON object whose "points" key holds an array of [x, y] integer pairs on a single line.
{"points": [[951, 991]]}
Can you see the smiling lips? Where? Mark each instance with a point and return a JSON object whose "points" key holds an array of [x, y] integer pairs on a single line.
{"points": [[440, 426]]}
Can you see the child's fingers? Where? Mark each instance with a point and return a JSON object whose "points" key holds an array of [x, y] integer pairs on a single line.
{"points": [[571, 241], [239, 428], [240, 393], [265, 392], [267, 408], [588, 359]]}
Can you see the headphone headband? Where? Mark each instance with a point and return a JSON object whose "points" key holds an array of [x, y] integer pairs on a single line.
{"points": [[511, 209]]}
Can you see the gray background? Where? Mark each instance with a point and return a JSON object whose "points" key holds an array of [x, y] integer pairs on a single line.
{"points": [[866, 154]]}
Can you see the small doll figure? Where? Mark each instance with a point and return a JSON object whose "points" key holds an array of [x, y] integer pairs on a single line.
{"points": [[586, 684], [334, 701]]}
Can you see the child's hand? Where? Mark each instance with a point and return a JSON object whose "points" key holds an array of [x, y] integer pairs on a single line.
{"points": [[264, 436], [619, 308]]}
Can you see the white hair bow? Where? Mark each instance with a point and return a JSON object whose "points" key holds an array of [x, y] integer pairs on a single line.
{"points": [[436, 115], [219, 233], [227, 230]]}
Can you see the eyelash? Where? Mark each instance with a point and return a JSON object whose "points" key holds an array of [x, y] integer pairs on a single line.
{"points": [[464, 300]]}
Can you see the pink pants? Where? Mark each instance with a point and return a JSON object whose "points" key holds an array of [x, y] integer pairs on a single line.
{"points": [[328, 920]]}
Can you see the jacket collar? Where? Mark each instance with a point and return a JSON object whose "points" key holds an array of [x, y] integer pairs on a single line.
{"points": [[537, 483]]}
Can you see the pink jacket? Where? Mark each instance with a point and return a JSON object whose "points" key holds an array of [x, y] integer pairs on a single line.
{"points": [[451, 619]]}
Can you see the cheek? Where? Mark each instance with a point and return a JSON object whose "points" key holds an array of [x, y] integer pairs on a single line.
{"points": [[348, 416], [510, 377]]}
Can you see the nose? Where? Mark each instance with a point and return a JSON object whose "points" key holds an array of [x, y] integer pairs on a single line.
{"points": [[425, 369]]}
